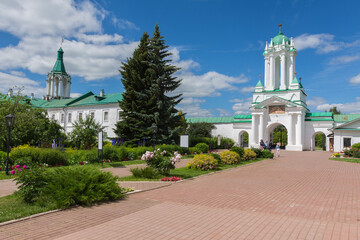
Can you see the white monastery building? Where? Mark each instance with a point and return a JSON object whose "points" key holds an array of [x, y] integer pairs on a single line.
{"points": [[281, 100]]}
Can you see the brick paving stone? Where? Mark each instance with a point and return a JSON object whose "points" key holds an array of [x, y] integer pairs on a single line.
{"points": [[301, 195]]}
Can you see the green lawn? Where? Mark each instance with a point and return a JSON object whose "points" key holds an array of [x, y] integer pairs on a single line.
{"points": [[12, 207], [353, 160], [185, 173]]}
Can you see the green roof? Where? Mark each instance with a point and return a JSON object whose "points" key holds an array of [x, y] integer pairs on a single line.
{"points": [[88, 99], [319, 114], [278, 39], [345, 117], [242, 116], [210, 120], [59, 66]]}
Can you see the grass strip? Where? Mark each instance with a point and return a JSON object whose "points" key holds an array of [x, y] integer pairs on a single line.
{"points": [[3, 176], [13, 207], [353, 160]]}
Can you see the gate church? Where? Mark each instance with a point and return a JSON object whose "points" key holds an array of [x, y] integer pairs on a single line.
{"points": [[281, 100]]}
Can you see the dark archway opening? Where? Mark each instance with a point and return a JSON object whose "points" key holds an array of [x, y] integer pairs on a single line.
{"points": [[279, 135]]}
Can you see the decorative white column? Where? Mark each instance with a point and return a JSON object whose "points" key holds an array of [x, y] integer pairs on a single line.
{"points": [[291, 69], [48, 87], [56, 87], [272, 73], [261, 127], [282, 82], [266, 77], [253, 131], [291, 131], [68, 88], [61, 88], [52, 87], [299, 130]]}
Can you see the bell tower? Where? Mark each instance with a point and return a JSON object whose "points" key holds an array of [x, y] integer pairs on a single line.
{"points": [[58, 82]]}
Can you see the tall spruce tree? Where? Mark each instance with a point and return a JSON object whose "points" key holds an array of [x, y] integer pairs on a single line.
{"points": [[134, 126], [148, 101], [162, 103]]}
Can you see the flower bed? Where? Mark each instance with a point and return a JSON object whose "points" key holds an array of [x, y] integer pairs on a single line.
{"points": [[171, 179]]}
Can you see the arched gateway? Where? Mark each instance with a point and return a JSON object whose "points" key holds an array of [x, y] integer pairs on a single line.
{"points": [[279, 100]]}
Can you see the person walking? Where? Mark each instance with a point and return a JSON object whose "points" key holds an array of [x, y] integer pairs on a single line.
{"points": [[277, 148], [262, 144]]}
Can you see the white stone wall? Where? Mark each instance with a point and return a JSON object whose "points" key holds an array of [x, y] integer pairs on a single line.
{"points": [[99, 113], [339, 138], [314, 127], [231, 130]]}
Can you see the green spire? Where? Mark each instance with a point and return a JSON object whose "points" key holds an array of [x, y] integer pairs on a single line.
{"points": [[259, 84], [59, 66]]}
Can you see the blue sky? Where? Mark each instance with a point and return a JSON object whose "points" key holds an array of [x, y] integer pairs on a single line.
{"points": [[218, 44]]}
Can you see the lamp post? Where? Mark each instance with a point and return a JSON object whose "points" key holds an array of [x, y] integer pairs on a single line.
{"points": [[155, 129], [10, 119]]}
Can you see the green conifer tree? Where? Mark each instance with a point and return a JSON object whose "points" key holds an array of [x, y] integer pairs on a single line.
{"points": [[134, 124], [163, 101]]}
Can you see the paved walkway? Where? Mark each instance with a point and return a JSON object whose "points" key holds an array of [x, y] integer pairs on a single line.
{"points": [[301, 195]]}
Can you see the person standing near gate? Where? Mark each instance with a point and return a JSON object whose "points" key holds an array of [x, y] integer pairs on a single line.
{"points": [[277, 148]]}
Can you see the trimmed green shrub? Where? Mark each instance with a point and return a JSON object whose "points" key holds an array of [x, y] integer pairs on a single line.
{"points": [[137, 152], [356, 145], [249, 155], [34, 155], [216, 156], [193, 150], [122, 153], [267, 154], [257, 151], [147, 172], [229, 157], [203, 162], [69, 186], [111, 153], [202, 147], [238, 150]]}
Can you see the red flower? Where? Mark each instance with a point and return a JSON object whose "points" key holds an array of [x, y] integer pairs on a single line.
{"points": [[81, 163]]}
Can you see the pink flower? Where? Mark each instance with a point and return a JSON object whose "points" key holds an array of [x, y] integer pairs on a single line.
{"points": [[81, 163], [19, 169], [24, 167], [12, 167], [18, 166], [12, 172]]}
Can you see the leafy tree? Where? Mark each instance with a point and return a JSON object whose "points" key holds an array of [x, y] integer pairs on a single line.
{"points": [[320, 140], [201, 129], [334, 110], [148, 101], [85, 133], [280, 135], [31, 124]]}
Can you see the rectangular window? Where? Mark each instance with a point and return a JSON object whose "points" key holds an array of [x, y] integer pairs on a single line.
{"points": [[347, 142], [80, 116], [69, 117], [119, 115], [106, 116], [62, 118], [53, 117], [92, 114]]}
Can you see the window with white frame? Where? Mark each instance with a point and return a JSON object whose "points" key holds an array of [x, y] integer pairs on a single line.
{"points": [[80, 116], [69, 117], [62, 118], [347, 142], [52, 116], [106, 116], [92, 114]]}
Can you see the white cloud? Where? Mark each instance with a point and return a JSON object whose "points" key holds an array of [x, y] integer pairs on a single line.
{"points": [[191, 100], [123, 23], [88, 52], [344, 59], [208, 84], [223, 112], [29, 86], [185, 65], [355, 80], [323, 42], [191, 106], [349, 108], [75, 95], [247, 89], [315, 101], [242, 107]]}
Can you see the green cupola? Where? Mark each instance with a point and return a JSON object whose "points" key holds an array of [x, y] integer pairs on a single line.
{"points": [[59, 66], [278, 39]]}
